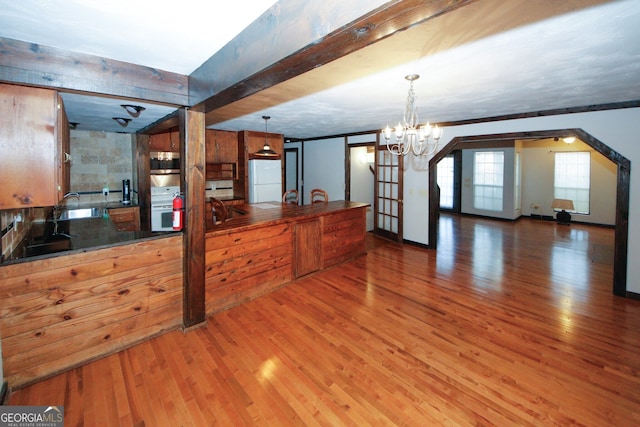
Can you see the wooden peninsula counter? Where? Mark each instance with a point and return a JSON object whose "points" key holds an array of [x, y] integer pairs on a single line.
{"points": [[267, 245]]}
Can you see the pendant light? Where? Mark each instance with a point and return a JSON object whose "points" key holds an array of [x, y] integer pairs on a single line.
{"points": [[266, 150]]}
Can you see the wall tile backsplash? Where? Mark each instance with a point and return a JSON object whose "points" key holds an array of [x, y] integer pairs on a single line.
{"points": [[99, 160], [14, 226], [219, 189]]}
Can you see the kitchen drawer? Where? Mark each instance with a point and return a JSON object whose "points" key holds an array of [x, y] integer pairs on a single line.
{"points": [[125, 219]]}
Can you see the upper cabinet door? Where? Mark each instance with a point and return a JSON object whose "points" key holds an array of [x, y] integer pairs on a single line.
{"points": [[28, 142], [63, 145], [166, 142], [221, 146]]}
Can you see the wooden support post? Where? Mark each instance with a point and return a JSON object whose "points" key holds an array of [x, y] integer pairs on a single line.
{"points": [[192, 147]]}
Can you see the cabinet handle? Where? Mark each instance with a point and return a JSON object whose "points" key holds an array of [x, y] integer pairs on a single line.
{"points": [[67, 157]]}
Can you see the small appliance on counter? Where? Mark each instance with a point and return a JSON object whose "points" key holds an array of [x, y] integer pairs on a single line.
{"points": [[126, 192]]}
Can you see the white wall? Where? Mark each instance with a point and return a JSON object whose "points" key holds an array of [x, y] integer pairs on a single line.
{"points": [[618, 129], [324, 167]]}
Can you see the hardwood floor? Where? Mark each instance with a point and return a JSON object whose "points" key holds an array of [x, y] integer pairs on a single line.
{"points": [[507, 324]]}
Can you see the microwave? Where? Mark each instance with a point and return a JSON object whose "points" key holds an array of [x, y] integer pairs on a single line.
{"points": [[164, 163]]}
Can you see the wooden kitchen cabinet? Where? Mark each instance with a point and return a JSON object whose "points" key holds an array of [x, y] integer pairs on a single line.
{"points": [[221, 146], [168, 142], [249, 142], [64, 149], [253, 141], [125, 218], [221, 171], [34, 138]]}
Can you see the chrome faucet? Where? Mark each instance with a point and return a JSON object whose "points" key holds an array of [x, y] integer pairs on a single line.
{"points": [[56, 207]]}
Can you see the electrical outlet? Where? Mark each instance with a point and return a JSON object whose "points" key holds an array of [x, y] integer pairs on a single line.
{"points": [[105, 191]]}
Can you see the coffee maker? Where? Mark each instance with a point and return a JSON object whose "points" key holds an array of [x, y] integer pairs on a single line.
{"points": [[126, 192]]}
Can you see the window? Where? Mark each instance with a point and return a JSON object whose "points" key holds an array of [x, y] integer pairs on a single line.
{"points": [[572, 179], [488, 179]]}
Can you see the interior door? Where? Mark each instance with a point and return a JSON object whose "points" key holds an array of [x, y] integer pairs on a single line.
{"points": [[291, 169], [388, 194]]}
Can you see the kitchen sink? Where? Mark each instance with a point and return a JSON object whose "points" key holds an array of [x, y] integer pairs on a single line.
{"points": [[80, 213], [55, 243]]}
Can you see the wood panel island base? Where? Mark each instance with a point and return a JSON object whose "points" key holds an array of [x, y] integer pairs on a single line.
{"points": [[270, 244], [61, 311]]}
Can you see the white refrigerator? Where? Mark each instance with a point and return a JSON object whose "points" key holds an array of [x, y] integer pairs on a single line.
{"points": [[265, 181]]}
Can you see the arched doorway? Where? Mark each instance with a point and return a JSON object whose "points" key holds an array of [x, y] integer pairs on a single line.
{"points": [[622, 197]]}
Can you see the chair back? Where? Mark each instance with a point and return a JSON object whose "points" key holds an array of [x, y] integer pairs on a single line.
{"points": [[319, 196], [290, 197], [218, 211]]}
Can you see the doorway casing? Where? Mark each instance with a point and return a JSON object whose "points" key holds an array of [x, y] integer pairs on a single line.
{"points": [[622, 191]]}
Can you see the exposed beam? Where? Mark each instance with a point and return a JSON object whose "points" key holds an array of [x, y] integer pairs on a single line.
{"points": [[36, 65], [274, 50]]}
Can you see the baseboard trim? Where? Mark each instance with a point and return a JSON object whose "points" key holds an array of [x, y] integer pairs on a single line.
{"points": [[633, 295]]}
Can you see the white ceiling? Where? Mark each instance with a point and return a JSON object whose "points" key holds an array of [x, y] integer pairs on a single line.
{"points": [[590, 56]]}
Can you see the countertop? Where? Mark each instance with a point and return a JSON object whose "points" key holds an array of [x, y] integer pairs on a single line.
{"points": [[249, 215], [45, 240]]}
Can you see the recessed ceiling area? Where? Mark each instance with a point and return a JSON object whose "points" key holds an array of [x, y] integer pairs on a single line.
{"points": [[485, 59]]}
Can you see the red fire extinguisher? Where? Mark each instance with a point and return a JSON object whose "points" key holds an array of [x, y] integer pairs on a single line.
{"points": [[177, 213]]}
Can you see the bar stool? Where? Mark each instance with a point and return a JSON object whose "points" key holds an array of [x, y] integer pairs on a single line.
{"points": [[319, 196], [290, 197], [218, 211]]}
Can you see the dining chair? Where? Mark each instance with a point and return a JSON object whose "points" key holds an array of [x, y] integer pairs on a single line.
{"points": [[290, 197], [218, 211], [319, 196]]}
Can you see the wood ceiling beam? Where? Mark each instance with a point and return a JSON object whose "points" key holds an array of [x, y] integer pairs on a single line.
{"points": [[290, 46], [37, 65]]}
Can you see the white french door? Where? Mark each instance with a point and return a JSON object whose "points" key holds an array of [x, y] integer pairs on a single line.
{"points": [[388, 194]]}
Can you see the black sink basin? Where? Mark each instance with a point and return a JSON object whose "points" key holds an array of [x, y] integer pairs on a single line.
{"points": [[52, 244]]}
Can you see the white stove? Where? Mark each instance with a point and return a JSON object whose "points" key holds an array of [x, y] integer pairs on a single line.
{"points": [[162, 207]]}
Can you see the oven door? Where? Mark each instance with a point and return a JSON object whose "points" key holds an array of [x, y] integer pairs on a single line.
{"points": [[162, 217]]}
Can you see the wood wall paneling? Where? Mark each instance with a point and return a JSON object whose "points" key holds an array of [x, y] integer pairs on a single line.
{"points": [[61, 312]]}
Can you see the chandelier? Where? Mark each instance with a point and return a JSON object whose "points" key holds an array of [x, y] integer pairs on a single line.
{"points": [[423, 140]]}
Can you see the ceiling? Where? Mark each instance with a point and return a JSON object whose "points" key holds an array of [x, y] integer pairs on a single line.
{"points": [[486, 59]]}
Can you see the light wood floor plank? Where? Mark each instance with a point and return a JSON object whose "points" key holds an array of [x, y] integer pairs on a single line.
{"points": [[505, 324]]}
